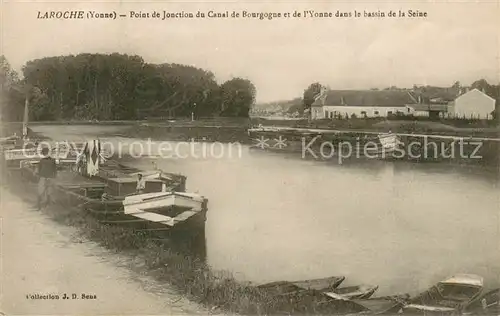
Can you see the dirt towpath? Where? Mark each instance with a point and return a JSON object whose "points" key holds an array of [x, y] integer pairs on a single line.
{"points": [[41, 257]]}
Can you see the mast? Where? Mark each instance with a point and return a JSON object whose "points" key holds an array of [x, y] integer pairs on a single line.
{"points": [[25, 118]]}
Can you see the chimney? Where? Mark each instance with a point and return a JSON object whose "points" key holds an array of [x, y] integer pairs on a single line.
{"points": [[321, 94], [324, 94]]}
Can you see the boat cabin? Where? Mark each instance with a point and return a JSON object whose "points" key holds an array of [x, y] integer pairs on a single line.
{"points": [[127, 185]]}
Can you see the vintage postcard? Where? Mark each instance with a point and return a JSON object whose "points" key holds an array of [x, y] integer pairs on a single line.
{"points": [[250, 157]]}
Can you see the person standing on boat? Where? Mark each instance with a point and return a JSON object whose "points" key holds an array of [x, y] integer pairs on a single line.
{"points": [[141, 184], [47, 172], [81, 164]]}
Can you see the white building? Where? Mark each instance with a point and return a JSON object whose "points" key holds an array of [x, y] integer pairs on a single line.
{"points": [[473, 104], [363, 103]]}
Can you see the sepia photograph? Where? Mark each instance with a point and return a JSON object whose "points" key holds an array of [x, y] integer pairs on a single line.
{"points": [[249, 157]]}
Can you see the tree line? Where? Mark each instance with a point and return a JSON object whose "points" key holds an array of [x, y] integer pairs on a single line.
{"points": [[118, 87]]}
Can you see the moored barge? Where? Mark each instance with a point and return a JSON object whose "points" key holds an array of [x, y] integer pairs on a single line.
{"points": [[108, 190]]}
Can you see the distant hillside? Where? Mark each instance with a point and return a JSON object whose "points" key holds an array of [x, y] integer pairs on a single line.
{"points": [[279, 106]]}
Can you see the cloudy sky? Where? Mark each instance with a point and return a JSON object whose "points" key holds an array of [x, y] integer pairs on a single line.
{"points": [[457, 41]]}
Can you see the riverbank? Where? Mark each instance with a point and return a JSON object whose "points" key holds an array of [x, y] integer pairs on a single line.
{"points": [[189, 277], [42, 260], [234, 129], [237, 131], [396, 125]]}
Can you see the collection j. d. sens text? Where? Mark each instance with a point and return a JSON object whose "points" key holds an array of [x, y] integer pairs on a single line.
{"points": [[166, 15], [63, 296]]}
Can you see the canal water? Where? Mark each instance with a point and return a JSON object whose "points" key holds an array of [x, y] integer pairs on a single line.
{"points": [[401, 226]]}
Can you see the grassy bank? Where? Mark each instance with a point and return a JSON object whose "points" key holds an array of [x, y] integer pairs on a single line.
{"points": [[189, 276]]}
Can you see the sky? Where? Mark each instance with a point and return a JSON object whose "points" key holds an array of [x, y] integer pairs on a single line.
{"points": [[458, 41]]}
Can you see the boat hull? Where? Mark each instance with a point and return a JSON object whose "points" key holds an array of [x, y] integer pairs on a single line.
{"points": [[353, 292], [286, 287], [447, 297], [90, 195], [486, 304]]}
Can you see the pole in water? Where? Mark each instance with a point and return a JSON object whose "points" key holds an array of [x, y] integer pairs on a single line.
{"points": [[25, 119], [192, 116]]}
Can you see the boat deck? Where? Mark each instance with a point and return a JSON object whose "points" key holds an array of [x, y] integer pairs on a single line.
{"points": [[69, 179], [104, 196]]}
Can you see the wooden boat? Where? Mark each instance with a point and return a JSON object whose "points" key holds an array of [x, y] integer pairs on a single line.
{"points": [[153, 207], [16, 155], [378, 306], [448, 296], [107, 189], [322, 284], [353, 292], [110, 195], [486, 304], [287, 287], [18, 150], [9, 140], [387, 147], [387, 305], [281, 288]]}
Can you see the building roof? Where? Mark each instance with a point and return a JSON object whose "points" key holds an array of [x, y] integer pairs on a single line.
{"points": [[430, 107], [366, 98], [438, 93], [476, 91]]}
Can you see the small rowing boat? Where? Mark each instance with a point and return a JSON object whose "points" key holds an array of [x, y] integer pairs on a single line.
{"points": [[486, 304], [353, 292], [322, 284], [378, 306], [448, 296], [289, 287]]}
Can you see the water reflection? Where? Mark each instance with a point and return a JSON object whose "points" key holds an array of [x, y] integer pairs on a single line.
{"points": [[401, 226], [398, 225]]}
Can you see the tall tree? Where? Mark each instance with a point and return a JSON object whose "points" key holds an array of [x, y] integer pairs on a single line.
{"points": [[237, 97], [11, 93], [484, 86], [119, 87], [310, 95], [456, 85]]}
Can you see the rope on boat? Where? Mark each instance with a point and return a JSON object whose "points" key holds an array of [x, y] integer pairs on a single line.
{"points": [[154, 229], [125, 221], [159, 239]]}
